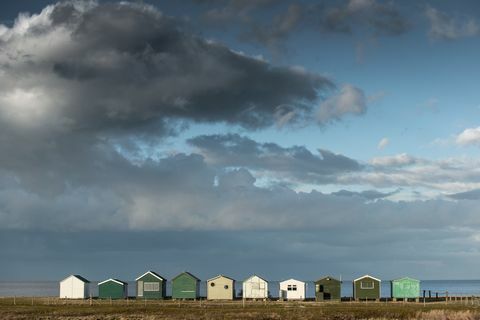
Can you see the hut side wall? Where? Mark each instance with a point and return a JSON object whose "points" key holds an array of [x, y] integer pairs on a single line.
{"points": [[150, 287], [405, 288], [112, 290], [185, 287], [328, 289], [221, 288], [363, 289]]}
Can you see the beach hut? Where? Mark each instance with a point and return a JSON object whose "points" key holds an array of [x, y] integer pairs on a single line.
{"points": [[405, 288], [255, 287], [185, 286], [74, 287], [150, 285], [220, 288], [292, 289], [112, 289], [366, 288], [327, 288]]}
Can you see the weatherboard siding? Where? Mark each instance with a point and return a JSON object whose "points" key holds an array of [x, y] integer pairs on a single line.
{"points": [[184, 286], [112, 290], [366, 288], [143, 290], [328, 288], [405, 288]]}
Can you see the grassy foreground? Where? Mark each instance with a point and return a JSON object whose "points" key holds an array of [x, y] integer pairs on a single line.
{"points": [[51, 308]]}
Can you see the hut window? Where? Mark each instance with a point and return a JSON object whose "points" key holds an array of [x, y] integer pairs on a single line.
{"points": [[292, 287], [212, 284], [225, 287], [151, 286], [367, 285]]}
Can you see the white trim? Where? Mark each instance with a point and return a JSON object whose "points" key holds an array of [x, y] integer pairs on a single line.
{"points": [[116, 281], [367, 276], [153, 274], [295, 280], [367, 288], [221, 276], [254, 275]]}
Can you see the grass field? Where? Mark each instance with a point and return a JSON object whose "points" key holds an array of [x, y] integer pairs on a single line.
{"points": [[52, 308]]}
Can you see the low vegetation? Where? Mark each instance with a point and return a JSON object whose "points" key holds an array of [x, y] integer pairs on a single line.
{"points": [[52, 308]]}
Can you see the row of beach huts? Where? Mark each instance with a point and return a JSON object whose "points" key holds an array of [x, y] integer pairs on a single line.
{"points": [[185, 286]]}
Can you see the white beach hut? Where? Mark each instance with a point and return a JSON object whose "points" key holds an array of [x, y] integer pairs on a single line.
{"points": [[255, 288], [74, 287], [292, 289]]}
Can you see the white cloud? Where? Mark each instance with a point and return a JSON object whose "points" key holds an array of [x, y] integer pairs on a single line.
{"points": [[402, 159], [469, 136], [350, 100], [443, 26], [383, 143]]}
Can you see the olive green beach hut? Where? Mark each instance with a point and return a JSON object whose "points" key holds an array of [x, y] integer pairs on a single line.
{"points": [[366, 288], [151, 285], [405, 288], [185, 286], [327, 288], [112, 289]]}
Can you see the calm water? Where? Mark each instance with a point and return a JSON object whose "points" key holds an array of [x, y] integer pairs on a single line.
{"points": [[50, 288]]}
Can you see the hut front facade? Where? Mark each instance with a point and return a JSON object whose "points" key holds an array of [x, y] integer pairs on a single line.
{"points": [[255, 288], [185, 286], [112, 289], [366, 288], [220, 288], [327, 288], [405, 288], [292, 289], [150, 285], [74, 287]]}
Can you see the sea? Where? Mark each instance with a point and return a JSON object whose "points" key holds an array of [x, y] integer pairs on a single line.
{"points": [[431, 287]]}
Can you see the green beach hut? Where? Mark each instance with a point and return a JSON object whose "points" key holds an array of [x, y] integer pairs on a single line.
{"points": [[185, 286], [366, 288], [151, 285], [112, 289], [327, 288], [405, 288]]}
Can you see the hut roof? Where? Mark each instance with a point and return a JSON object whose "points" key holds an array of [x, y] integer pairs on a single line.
{"points": [[254, 275], [114, 280], [220, 276], [156, 275], [367, 276], [187, 273], [328, 278]]}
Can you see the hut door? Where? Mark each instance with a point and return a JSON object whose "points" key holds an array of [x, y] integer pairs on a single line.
{"points": [[140, 288]]}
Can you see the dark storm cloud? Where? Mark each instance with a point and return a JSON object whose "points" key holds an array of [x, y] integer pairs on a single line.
{"points": [[139, 67], [379, 17], [274, 35], [233, 150]]}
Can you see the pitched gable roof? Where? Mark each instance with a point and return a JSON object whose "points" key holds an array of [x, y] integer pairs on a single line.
{"points": [[156, 275], [221, 276], [367, 276], [114, 280], [187, 273]]}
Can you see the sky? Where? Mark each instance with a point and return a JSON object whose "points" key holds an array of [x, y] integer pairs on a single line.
{"points": [[281, 138]]}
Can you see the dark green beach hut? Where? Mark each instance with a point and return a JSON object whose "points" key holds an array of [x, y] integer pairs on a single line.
{"points": [[327, 288], [185, 286], [112, 289], [151, 285], [405, 288], [366, 288]]}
